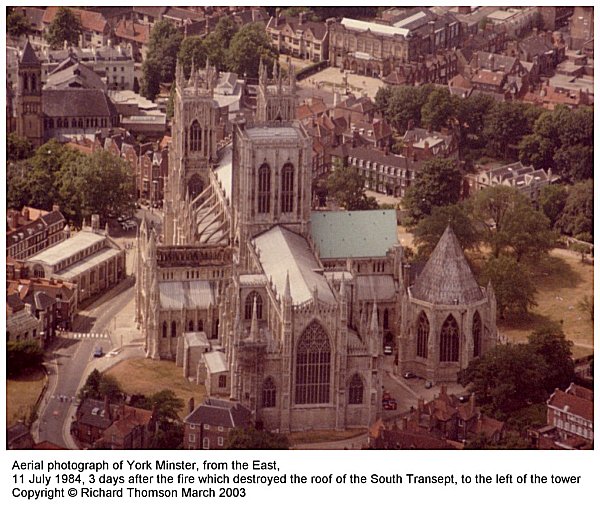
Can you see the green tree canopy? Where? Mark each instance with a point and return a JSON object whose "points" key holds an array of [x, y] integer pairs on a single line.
{"points": [[402, 105], [439, 108], [552, 201], [437, 184], [550, 343], [251, 438], [159, 66], [18, 147], [248, 47], [17, 23], [192, 50], [66, 26], [429, 230], [347, 187], [578, 215], [23, 355], [99, 385], [505, 125], [506, 378], [512, 284]]}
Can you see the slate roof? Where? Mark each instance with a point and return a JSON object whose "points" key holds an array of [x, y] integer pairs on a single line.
{"points": [[355, 234], [218, 412], [447, 277], [29, 57], [75, 75], [78, 102]]}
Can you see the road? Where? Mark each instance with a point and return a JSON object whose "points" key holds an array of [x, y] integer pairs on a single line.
{"points": [[73, 357]]}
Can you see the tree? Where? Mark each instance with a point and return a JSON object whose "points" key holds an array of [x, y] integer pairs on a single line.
{"points": [[225, 30], [512, 285], [248, 47], [505, 124], [17, 23], [17, 185], [549, 342], [167, 436], [99, 385], [438, 183], [429, 230], [552, 201], [104, 184], [471, 114], [159, 66], [507, 378], [346, 186], [578, 215], [166, 404], [192, 50], [22, 356], [525, 232], [586, 305], [65, 26], [439, 108], [251, 438], [401, 106], [18, 147]]}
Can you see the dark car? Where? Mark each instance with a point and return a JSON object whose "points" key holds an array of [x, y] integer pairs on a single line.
{"points": [[98, 352], [390, 404]]}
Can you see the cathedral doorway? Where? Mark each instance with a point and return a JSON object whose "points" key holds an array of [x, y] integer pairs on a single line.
{"points": [[195, 185]]}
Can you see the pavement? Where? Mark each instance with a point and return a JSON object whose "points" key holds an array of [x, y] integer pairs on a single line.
{"points": [[325, 79]]}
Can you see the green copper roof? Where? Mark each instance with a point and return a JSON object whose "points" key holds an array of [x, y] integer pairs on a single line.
{"points": [[356, 234]]}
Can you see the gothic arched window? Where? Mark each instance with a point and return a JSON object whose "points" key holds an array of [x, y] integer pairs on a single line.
{"points": [[355, 390], [191, 326], [313, 366], [287, 188], [164, 329], [449, 341], [476, 335], [250, 303], [195, 136], [269, 393], [200, 325], [264, 189], [386, 319], [422, 335], [33, 83], [173, 329]]}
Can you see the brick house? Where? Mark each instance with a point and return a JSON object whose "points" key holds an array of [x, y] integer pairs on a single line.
{"points": [[102, 424], [571, 412], [300, 37], [207, 426], [32, 230]]}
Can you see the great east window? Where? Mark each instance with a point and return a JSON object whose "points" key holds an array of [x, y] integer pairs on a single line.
{"points": [[313, 366]]}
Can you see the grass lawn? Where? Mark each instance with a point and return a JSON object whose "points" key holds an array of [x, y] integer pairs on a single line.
{"points": [[21, 395], [562, 281], [147, 376], [313, 437]]}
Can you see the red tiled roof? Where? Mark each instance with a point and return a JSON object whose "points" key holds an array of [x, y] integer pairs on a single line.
{"points": [[93, 21], [572, 404], [133, 31]]}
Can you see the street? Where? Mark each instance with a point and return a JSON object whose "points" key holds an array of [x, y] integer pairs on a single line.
{"points": [[73, 358]]}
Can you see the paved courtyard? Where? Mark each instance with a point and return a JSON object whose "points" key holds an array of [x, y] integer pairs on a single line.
{"points": [[325, 80]]}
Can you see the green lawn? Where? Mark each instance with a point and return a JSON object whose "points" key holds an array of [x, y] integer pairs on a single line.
{"points": [[147, 376], [22, 394]]}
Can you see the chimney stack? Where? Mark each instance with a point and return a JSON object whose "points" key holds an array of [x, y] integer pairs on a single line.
{"points": [[190, 406]]}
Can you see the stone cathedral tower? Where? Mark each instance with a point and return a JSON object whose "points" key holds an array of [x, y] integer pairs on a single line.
{"points": [[30, 123], [194, 144]]}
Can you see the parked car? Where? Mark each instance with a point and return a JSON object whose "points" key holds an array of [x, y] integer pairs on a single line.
{"points": [[428, 384], [98, 352], [388, 350], [409, 374], [390, 404]]}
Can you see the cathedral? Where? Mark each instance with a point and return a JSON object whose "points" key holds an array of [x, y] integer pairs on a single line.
{"points": [[279, 307]]}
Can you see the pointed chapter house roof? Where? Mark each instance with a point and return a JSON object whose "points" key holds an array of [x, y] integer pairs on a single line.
{"points": [[29, 57], [447, 277]]}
